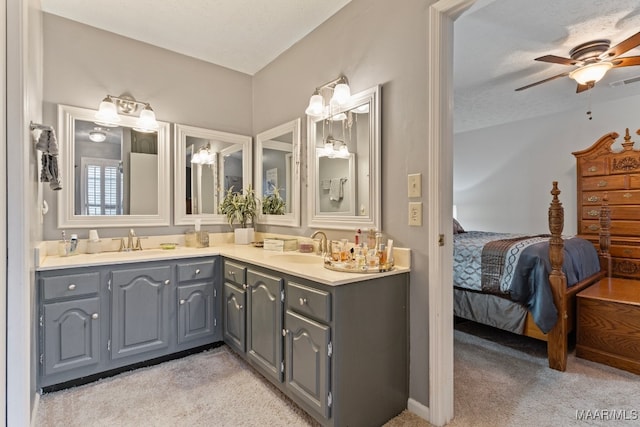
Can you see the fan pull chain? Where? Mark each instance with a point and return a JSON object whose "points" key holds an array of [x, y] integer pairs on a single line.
{"points": [[589, 106]]}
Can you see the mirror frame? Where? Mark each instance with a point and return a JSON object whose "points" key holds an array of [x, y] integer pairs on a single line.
{"points": [[349, 222], [66, 210], [179, 185], [291, 219]]}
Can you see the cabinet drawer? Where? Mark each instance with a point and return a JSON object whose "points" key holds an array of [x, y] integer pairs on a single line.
{"points": [[593, 167], [70, 285], [235, 273], [616, 212], [629, 197], [623, 251], [618, 228], [625, 267], [616, 182], [309, 301], [196, 270]]}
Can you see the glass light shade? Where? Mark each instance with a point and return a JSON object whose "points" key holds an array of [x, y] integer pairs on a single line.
{"points": [[316, 106], [338, 117], [147, 121], [343, 151], [97, 135], [341, 94], [590, 72], [107, 112]]}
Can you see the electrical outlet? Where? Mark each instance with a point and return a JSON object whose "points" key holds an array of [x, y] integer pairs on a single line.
{"points": [[414, 182], [415, 213]]}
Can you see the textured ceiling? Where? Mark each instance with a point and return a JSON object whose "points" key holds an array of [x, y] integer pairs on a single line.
{"points": [[244, 35], [496, 42]]}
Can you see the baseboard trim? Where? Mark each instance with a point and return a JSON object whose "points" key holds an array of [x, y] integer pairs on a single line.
{"points": [[34, 410], [418, 408]]}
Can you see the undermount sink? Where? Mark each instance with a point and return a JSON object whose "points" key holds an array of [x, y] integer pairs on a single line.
{"points": [[297, 258]]}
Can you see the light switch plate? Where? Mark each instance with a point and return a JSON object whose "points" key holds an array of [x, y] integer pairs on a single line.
{"points": [[415, 214], [414, 182]]}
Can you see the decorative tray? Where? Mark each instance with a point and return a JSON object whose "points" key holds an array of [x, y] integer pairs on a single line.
{"points": [[351, 268]]}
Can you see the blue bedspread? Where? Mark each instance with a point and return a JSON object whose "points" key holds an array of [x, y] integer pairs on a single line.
{"points": [[530, 283]]}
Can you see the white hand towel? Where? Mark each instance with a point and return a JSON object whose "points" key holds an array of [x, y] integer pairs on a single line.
{"points": [[335, 189]]}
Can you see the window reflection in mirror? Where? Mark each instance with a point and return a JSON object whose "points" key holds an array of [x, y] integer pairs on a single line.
{"points": [[112, 175], [277, 174], [211, 163], [344, 165]]}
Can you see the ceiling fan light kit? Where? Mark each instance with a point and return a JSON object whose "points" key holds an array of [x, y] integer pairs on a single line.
{"points": [[593, 60]]}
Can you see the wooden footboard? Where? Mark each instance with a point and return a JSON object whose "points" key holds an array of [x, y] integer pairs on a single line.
{"points": [[564, 299]]}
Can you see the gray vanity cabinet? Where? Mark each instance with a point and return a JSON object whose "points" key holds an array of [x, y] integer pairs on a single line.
{"points": [[234, 305], [196, 301], [70, 321], [265, 300], [140, 304]]}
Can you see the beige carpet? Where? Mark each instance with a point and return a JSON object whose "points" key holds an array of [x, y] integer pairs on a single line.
{"points": [[501, 380]]}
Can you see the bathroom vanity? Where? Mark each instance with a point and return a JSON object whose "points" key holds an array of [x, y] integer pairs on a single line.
{"points": [[336, 343]]}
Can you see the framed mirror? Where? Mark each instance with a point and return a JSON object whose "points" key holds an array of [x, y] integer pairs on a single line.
{"points": [[344, 165], [112, 176], [277, 172], [207, 163]]}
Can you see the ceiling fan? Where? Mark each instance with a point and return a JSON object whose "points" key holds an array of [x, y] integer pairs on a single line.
{"points": [[593, 59]]}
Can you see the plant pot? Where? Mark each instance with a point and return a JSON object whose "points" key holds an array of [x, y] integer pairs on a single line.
{"points": [[244, 236]]}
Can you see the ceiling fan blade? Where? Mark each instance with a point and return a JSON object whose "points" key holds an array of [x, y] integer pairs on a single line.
{"points": [[626, 62], [542, 81], [558, 60], [622, 47]]}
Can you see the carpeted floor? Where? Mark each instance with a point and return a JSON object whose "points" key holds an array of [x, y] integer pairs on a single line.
{"points": [[501, 380]]}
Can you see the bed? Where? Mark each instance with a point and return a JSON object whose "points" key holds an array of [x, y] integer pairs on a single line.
{"points": [[527, 284]]}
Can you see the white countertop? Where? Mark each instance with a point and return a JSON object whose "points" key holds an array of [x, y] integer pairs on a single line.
{"points": [[308, 266]]}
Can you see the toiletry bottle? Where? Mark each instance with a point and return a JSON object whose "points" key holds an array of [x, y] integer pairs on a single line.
{"points": [[371, 238], [358, 235], [73, 244], [382, 256]]}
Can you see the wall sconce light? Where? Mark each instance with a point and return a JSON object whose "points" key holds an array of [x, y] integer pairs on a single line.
{"points": [[340, 95], [204, 156], [107, 114]]}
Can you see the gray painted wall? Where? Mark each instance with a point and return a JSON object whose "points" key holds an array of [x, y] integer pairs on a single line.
{"points": [[503, 174], [372, 42]]}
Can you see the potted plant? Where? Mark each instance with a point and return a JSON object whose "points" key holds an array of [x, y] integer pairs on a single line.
{"points": [[273, 204], [240, 207]]}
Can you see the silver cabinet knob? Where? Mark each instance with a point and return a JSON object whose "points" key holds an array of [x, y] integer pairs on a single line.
{"points": [[284, 332], [240, 307], [71, 287], [303, 301], [244, 286], [166, 282], [94, 316], [182, 302], [197, 271]]}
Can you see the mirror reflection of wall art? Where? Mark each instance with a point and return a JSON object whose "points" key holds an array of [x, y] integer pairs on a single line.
{"points": [[272, 180]]}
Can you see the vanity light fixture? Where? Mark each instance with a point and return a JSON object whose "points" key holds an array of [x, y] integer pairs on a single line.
{"points": [[335, 149], [97, 135], [340, 94], [107, 114], [204, 156]]}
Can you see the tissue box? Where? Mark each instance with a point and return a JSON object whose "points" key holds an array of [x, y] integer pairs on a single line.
{"points": [[280, 245]]}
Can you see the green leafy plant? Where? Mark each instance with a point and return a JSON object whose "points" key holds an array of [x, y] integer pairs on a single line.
{"points": [[273, 204], [240, 207]]}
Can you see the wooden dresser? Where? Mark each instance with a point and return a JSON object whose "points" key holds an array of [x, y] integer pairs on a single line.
{"points": [[615, 175]]}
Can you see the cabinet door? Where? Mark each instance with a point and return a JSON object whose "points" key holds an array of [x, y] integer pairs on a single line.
{"points": [[195, 312], [234, 316], [307, 362], [71, 334], [264, 322], [140, 306]]}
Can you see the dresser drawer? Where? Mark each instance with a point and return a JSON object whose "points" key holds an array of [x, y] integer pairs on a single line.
{"points": [[70, 285], [624, 251], [309, 301], [593, 167], [618, 228], [235, 273], [629, 212], [615, 182], [625, 267], [629, 197], [196, 270]]}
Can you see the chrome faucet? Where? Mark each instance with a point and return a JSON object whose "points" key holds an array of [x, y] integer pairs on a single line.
{"points": [[324, 247], [132, 235]]}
